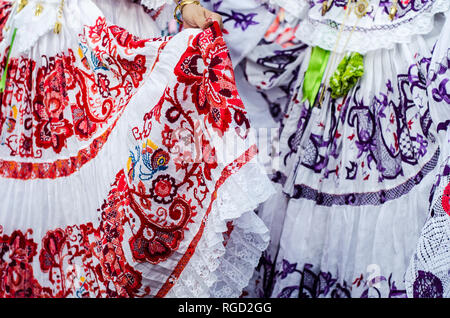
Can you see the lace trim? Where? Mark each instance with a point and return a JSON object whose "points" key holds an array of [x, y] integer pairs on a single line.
{"points": [[323, 32], [216, 270]]}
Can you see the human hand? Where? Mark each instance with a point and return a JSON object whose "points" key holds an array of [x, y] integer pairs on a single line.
{"points": [[196, 16]]}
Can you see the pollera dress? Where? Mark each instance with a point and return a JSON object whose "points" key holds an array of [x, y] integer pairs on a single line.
{"points": [[126, 166], [357, 175]]}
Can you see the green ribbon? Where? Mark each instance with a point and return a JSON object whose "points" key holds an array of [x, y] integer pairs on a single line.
{"points": [[5, 71], [314, 74]]}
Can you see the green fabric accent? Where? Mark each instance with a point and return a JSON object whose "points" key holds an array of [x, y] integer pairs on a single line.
{"points": [[347, 74], [5, 71], [314, 74]]}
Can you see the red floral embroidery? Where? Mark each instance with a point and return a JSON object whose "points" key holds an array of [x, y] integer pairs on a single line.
{"points": [[135, 69], [163, 189], [72, 98], [160, 158], [108, 244], [50, 255], [207, 68], [5, 11], [160, 234], [58, 168], [52, 129], [16, 109], [446, 199], [126, 39], [162, 200], [16, 272]]}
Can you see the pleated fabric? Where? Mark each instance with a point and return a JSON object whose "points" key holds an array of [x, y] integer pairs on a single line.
{"points": [[358, 174]]}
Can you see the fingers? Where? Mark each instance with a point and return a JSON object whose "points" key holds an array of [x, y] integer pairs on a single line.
{"points": [[198, 17], [208, 21], [210, 18], [200, 20], [218, 18]]}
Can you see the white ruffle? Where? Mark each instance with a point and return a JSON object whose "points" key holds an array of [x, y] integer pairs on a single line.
{"points": [[155, 4], [316, 31], [131, 16], [30, 28], [219, 271]]}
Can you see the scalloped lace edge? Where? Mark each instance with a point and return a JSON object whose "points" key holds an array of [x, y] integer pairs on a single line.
{"points": [[317, 34], [219, 271]]}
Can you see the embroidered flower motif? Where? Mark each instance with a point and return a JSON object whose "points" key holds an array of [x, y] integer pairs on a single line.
{"points": [[164, 189], [241, 20], [288, 268], [83, 126], [135, 69], [207, 68], [160, 158], [52, 245], [53, 133], [164, 237], [103, 85], [169, 138], [126, 39], [16, 273]]}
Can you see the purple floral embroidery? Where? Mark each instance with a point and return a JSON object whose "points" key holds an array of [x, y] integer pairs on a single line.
{"points": [[313, 284], [357, 199], [440, 94], [427, 285], [241, 20], [287, 269]]}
